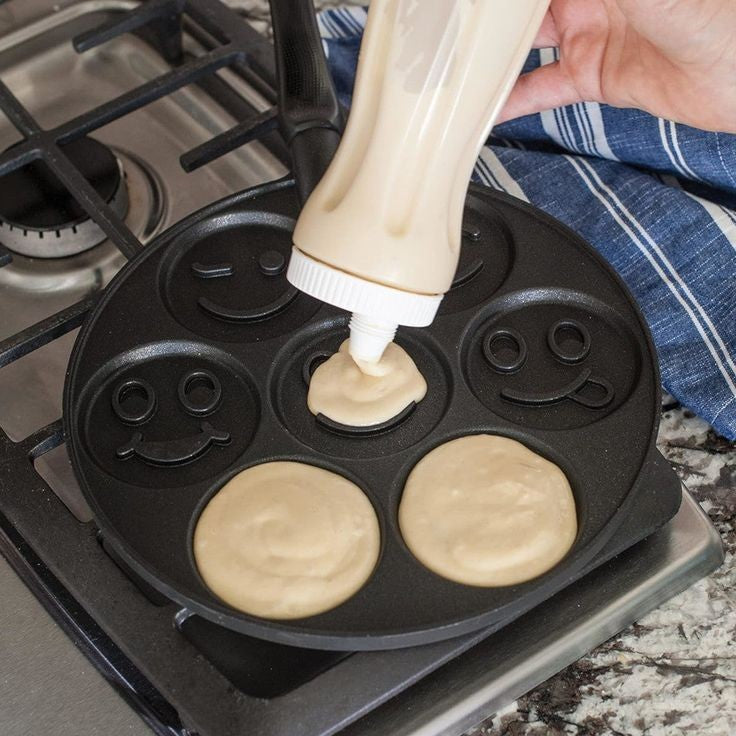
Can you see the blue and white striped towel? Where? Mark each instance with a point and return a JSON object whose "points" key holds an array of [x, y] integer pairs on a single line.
{"points": [[656, 199]]}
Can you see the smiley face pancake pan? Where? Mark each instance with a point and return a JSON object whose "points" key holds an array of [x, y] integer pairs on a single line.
{"points": [[195, 365]]}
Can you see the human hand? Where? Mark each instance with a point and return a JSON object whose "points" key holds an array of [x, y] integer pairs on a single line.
{"points": [[673, 58]]}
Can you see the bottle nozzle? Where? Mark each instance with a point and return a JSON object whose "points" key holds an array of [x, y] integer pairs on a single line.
{"points": [[369, 337]]}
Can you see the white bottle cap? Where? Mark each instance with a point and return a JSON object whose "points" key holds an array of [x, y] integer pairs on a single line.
{"points": [[369, 337], [377, 303]]}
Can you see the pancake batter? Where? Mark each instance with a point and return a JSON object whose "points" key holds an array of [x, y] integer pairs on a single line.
{"points": [[485, 510], [285, 540], [363, 394]]}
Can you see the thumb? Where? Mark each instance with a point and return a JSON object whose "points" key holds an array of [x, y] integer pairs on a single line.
{"points": [[542, 89]]}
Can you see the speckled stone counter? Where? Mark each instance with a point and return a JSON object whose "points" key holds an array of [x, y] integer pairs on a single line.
{"points": [[674, 671]]}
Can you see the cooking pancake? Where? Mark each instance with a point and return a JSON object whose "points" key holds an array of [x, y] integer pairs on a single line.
{"points": [[286, 540], [487, 511], [361, 395]]}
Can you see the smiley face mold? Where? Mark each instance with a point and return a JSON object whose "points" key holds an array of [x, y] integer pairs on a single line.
{"points": [[552, 359]]}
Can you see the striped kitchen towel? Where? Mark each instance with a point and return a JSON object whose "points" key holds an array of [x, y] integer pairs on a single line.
{"points": [[656, 199]]}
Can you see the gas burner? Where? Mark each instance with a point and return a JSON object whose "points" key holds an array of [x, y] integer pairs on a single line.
{"points": [[78, 273], [41, 219]]}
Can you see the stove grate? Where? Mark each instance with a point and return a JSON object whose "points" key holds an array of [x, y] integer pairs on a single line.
{"points": [[239, 135], [241, 47], [229, 43], [233, 44]]}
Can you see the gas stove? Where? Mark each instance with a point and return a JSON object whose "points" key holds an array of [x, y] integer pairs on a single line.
{"points": [[111, 133]]}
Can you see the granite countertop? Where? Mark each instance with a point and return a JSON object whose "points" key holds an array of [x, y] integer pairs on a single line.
{"points": [[673, 671]]}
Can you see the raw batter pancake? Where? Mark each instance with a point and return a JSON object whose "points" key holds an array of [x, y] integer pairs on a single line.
{"points": [[286, 540], [365, 394], [485, 510]]}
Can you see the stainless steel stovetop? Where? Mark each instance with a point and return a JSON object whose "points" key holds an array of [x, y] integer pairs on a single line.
{"points": [[436, 689]]}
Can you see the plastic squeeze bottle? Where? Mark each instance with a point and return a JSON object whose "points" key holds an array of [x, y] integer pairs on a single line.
{"points": [[380, 234]]}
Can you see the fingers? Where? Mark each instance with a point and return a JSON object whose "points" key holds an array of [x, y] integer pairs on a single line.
{"points": [[548, 35], [544, 88]]}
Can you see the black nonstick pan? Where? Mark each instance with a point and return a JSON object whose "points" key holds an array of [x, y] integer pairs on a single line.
{"points": [[194, 365]]}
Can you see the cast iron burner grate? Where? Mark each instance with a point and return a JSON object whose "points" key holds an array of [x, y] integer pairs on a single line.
{"points": [[234, 44], [64, 192]]}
